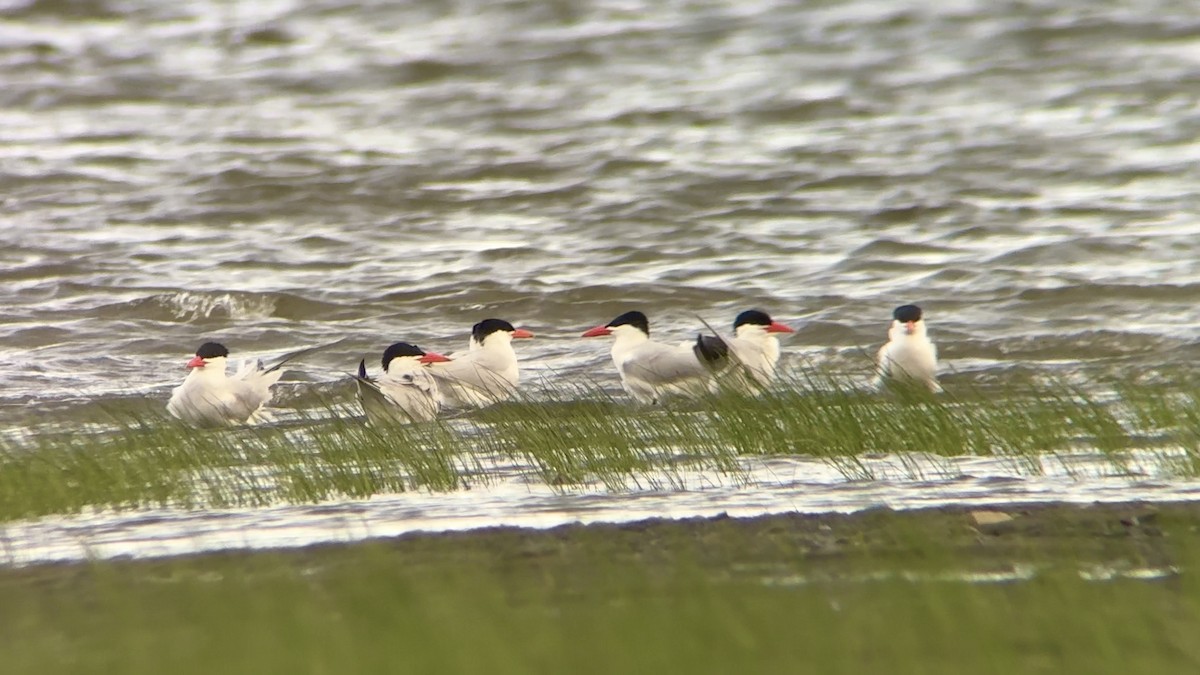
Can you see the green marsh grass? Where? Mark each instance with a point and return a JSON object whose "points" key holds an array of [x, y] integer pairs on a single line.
{"points": [[705, 597], [142, 461], [830, 417], [579, 434], [575, 434]]}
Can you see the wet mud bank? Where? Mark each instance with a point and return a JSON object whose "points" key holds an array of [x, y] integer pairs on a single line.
{"points": [[1121, 536]]}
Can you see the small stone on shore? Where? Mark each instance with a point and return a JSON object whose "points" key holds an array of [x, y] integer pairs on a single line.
{"points": [[992, 522]]}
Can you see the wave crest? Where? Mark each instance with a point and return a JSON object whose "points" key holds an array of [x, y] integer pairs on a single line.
{"points": [[191, 306]]}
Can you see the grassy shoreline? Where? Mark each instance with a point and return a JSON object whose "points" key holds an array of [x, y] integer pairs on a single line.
{"points": [[1140, 533], [814, 593]]}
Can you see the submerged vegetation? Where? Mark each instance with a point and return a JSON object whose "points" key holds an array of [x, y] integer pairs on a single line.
{"points": [[566, 436]]}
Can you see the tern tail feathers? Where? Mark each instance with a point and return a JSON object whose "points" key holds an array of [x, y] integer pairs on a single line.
{"points": [[711, 350], [290, 356]]}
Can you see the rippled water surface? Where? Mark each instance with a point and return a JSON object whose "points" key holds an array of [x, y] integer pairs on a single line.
{"points": [[281, 174]]}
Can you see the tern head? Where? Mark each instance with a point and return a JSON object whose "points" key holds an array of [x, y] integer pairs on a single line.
{"points": [[209, 353], [753, 321], [410, 355], [908, 319], [629, 322], [494, 329]]}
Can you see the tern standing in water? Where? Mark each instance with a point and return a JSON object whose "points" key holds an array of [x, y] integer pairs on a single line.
{"points": [[406, 391], [649, 370], [485, 374], [755, 345], [209, 397], [909, 355]]}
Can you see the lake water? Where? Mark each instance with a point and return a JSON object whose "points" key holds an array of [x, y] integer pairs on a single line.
{"points": [[281, 174]]}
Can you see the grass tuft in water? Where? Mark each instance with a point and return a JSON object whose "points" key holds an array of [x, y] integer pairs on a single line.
{"points": [[573, 435], [578, 434], [146, 461]]}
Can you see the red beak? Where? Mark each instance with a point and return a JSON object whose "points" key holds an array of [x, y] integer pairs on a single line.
{"points": [[522, 333], [196, 362], [777, 327], [597, 331], [432, 357], [910, 327]]}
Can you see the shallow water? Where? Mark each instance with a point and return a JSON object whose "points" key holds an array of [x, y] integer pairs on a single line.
{"points": [[292, 173], [787, 484], [284, 174]]}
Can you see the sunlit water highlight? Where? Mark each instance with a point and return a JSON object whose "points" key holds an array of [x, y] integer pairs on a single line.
{"points": [[780, 485]]}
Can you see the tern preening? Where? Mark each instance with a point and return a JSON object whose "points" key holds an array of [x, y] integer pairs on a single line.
{"points": [[209, 397], [485, 374], [908, 356], [755, 346], [406, 391], [650, 370]]}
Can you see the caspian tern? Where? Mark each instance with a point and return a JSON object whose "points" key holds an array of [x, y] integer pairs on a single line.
{"points": [[485, 374], [405, 392], [755, 346], [208, 397], [908, 355], [650, 370]]}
